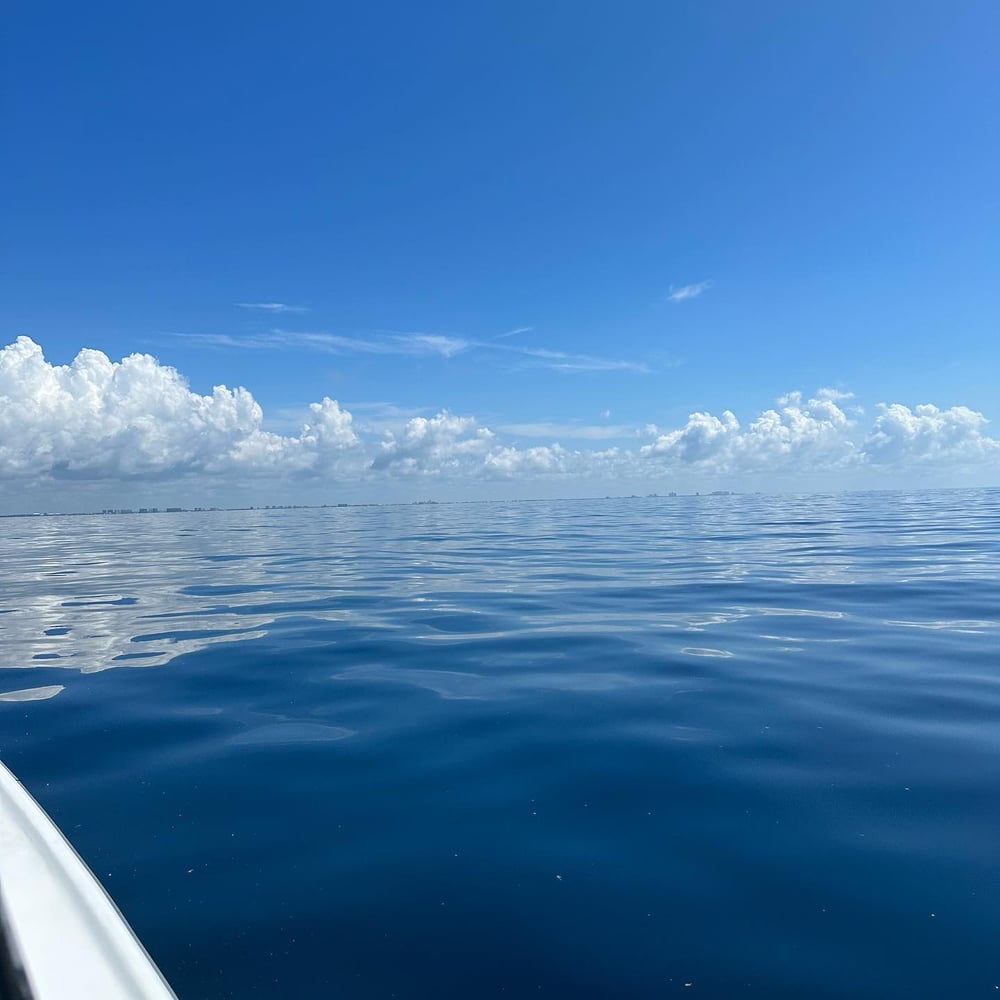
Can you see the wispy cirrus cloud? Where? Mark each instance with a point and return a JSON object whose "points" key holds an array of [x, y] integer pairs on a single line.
{"points": [[334, 343], [560, 361], [431, 343], [272, 307], [685, 292], [415, 344], [515, 332], [225, 340], [392, 343]]}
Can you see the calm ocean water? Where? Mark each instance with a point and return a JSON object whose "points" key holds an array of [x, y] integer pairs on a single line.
{"points": [[571, 749]]}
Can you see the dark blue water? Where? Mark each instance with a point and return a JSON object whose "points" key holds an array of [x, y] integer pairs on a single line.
{"points": [[570, 749]]}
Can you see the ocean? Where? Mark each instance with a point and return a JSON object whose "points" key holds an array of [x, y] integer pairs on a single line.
{"points": [[708, 746]]}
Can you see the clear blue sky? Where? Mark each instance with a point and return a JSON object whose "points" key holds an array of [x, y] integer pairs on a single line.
{"points": [[417, 179]]}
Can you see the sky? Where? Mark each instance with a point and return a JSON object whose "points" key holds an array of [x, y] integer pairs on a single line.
{"points": [[379, 251]]}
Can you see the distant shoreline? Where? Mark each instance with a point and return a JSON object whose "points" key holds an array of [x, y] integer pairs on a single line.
{"points": [[710, 494]]}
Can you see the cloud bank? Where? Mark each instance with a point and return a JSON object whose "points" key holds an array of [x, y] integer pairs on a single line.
{"points": [[98, 420]]}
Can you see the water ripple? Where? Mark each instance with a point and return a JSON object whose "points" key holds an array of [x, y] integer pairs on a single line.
{"points": [[582, 749]]}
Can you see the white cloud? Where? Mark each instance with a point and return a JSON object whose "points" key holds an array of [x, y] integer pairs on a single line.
{"points": [[686, 292], [927, 435], [333, 343], [703, 437], [272, 307], [506, 462], [413, 344], [432, 343], [434, 445], [227, 340], [813, 435], [394, 343], [136, 418], [835, 394], [100, 421], [541, 357], [326, 342], [509, 462]]}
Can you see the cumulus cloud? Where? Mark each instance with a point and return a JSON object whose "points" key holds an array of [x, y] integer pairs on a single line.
{"points": [[814, 434], [104, 421], [136, 418], [928, 435], [445, 443], [506, 462]]}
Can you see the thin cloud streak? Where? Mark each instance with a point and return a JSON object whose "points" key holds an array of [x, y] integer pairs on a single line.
{"points": [[415, 345], [435, 343], [272, 307], [397, 343], [332, 343], [686, 292], [560, 361], [226, 340]]}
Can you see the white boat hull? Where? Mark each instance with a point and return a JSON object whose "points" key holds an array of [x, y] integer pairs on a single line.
{"points": [[67, 939]]}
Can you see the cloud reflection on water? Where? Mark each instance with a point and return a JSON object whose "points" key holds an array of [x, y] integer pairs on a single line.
{"points": [[92, 593]]}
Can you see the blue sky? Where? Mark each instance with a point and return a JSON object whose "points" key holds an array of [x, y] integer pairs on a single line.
{"points": [[682, 208]]}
